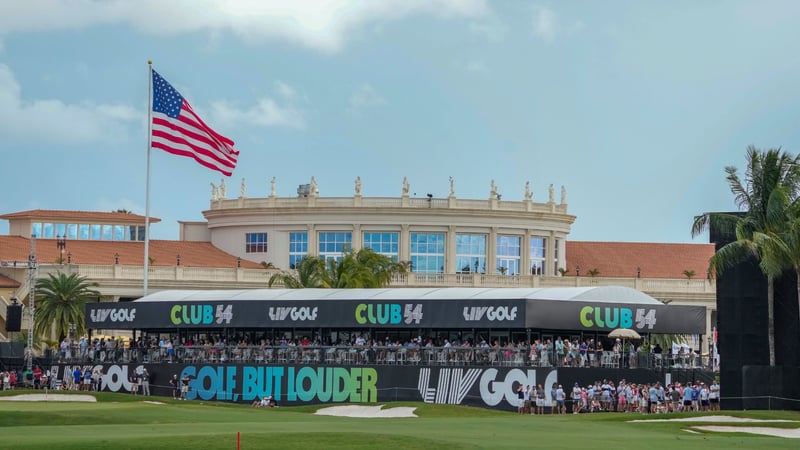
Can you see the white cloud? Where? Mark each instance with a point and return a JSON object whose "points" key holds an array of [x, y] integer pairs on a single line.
{"points": [[52, 120], [265, 113], [321, 25], [284, 90], [366, 96], [545, 24]]}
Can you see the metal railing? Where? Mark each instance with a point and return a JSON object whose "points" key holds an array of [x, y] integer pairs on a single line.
{"points": [[350, 354], [389, 202]]}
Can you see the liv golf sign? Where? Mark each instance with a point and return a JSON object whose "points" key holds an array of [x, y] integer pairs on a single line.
{"points": [[483, 386]]}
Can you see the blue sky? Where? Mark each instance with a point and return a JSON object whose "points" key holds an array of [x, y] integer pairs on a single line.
{"points": [[635, 107]]}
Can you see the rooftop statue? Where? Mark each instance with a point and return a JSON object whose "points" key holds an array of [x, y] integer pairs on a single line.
{"points": [[314, 190]]}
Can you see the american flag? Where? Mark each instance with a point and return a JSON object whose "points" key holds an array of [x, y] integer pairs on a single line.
{"points": [[177, 129]]}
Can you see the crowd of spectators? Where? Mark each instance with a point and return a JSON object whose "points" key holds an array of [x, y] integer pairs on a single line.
{"points": [[362, 349], [38, 378], [10, 379], [606, 396]]}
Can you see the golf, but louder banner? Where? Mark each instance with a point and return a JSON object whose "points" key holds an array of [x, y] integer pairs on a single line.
{"points": [[483, 386]]}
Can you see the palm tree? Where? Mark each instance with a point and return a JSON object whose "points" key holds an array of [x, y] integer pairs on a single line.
{"points": [[593, 272], [771, 184], [60, 301], [361, 269], [40, 343], [347, 272], [689, 273], [380, 266], [308, 274], [666, 340], [792, 240]]}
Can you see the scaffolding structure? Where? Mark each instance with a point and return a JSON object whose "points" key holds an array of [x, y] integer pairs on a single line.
{"points": [[33, 267]]}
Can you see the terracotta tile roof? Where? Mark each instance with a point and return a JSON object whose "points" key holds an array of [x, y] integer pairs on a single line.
{"points": [[6, 282], [656, 260], [193, 254], [54, 214], [612, 259]]}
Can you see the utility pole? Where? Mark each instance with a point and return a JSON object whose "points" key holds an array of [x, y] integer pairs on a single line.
{"points": [[33, 266]]}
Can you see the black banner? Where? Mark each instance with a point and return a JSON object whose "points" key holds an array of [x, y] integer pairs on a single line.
{"points": [[539, 314], [484, 386], [575, 315], [301, 313]]}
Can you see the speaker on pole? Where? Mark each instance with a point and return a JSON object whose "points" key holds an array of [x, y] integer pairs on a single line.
{"points": [[14, 316]]}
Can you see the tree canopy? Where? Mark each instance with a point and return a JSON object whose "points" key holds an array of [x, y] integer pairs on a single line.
{"points": [[355, 269], [60, 301], [767, 199]]}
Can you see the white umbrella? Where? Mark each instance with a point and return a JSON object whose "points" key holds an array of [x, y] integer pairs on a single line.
{"points": [[625, 333]]}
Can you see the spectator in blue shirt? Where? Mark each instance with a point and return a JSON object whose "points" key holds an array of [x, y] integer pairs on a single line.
{"points": [[77, 375], [688, 393]]}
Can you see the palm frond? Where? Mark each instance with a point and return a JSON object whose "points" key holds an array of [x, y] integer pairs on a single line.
{"points": [[769, 226], [60, 301]]}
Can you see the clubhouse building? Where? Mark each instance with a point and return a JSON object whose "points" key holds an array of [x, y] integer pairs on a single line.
{"points": [[462, 254], [449, 242]]}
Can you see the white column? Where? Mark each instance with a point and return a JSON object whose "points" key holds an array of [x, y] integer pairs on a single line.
{"points": [[313, 247], [450, 250], [357, 238], [549, 255], [491, 249], [404, 243], [525, 253]]}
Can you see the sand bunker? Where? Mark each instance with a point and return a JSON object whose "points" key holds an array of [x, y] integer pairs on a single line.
{"points": [[718, 419], [791, 433], [49, 398], [367, 411]]}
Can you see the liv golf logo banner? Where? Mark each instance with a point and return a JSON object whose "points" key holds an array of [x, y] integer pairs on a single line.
{"points": [[453, 385], [299, 385]]}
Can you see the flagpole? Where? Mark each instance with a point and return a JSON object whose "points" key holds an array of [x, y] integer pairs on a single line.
{"points": [[147, 189]]}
